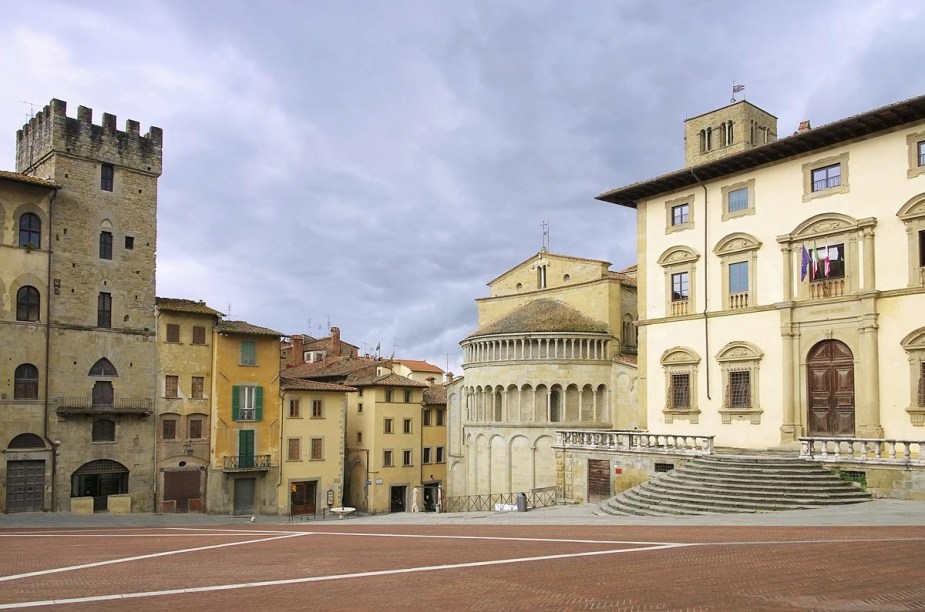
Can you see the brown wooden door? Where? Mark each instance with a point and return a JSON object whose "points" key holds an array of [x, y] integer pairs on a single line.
{"points": [[303, 496], [598, 480], [830, 374], [182, 486]]}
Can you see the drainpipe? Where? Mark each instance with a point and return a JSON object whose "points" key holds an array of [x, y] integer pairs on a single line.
{"points": [[155, 412], [706, 282], [49, 292]]}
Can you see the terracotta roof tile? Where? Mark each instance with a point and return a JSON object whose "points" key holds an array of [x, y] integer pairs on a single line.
{"points": [[243, 327], [311, 385], [362, 379], [543, 315], [435, 395], [28, 180], [416, 365], [181, 305], [624, 278]]}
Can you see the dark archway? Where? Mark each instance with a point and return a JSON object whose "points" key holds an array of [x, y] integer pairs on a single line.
{"points": [[830, 380]]}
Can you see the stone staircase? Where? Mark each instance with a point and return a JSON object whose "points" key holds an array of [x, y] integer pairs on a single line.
{"points": [[736, 483]]}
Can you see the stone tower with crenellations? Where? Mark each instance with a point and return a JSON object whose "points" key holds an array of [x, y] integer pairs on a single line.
{"points": [[99, 237]]}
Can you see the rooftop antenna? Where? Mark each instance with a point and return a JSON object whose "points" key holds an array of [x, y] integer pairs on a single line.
{"points": [[395, 345], [545, 226], [229, 311], [736, 89], [32, 106]]}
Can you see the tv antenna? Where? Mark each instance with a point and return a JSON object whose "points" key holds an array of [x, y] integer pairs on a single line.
{"points": [[545, 226]]}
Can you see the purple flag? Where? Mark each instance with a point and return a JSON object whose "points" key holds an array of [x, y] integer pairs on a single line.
{"points": [[804, 264]]}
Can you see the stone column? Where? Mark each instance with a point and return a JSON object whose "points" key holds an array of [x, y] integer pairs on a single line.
{"points": [[867, 410], [790, 428], [787, 252]]}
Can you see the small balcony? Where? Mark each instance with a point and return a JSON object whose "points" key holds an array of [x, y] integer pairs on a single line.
{"points": [[680, 308], [121, 405], [738, 300], [246, 463], [821, 289]]}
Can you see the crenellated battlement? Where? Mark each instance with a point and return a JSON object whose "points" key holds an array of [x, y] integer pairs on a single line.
{"points": [[52, 131]]}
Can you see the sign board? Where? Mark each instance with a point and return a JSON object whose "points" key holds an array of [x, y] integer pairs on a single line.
{"points": [[378, 481]]}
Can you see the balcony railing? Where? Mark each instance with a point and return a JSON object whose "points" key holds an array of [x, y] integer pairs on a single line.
{"points": [[827, 288], [738, 300], [121, 405], [862, 450], [634, 441], [240, 463], [679, 308]]}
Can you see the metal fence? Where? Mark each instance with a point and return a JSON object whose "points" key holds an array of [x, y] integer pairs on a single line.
{"points": [[536, 498]]}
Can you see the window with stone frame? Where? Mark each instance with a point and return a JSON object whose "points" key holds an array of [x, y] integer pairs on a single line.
{"points": [[387, 460], [680, 266], [317, 409], [440, 417], [916, 146], [26, 382], [171, 386], [30, 231], [317, 449], [679, 214], [295, 409], [104, 310], [103, 430], [912, 214], [425, 421], [173, 332], [295, 449], [425, 454], [825, 177], [105, 245], [406, 426], [406, 457], [738, 256], [195, 429], [441, 455], [197, 387], [407, 396], [107, 176], [849, 244], [739, 362], [199, 334], [169, 429], [680, 365], [28, 303], [914, 345], [388, 426], [738, 199], [248, 352]]}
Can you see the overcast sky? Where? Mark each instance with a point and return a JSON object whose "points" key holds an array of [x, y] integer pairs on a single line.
{"points": [[374, 164]]}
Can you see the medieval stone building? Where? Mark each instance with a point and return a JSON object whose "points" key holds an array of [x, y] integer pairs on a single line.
{"points": [[77, 323]]}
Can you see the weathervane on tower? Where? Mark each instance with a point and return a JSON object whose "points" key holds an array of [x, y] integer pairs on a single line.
{"points": [[545, 226], [735, 89]]}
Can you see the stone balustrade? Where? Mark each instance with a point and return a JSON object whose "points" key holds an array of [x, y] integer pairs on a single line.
{"points": [[862, 450], [634, 441]]}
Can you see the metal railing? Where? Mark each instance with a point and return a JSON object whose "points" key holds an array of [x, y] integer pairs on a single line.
{"points": [[862, 450], [247, 462], [634, 441], [536, 498], [121, 404]]}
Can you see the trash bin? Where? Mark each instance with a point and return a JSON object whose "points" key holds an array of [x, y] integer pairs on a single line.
{"points": [[521, 502]]}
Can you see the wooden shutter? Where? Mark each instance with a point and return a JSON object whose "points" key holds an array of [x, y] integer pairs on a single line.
{"points": [[236, 402], [258, 403]]}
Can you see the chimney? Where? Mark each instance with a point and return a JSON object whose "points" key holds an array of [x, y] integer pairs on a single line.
{"points": [[804, 127], [335, 340], [298, 356], [430, 381], [449, 377]]}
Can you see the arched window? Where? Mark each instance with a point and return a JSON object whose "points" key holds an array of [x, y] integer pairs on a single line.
{"points": [[26, 382], [30, 231], [103, 367], [26, 441], [27, 304]]}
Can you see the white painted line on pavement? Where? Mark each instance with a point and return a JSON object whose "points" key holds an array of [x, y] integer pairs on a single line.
{"points": [[137, 558], [308, 579]]}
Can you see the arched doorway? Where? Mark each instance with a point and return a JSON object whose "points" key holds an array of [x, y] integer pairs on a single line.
{"points": [[99, 479], [25, 478], [830, 378]]}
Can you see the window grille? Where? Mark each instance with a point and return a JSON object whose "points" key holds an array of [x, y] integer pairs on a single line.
{"points": [[739, 389], [679, 392]]}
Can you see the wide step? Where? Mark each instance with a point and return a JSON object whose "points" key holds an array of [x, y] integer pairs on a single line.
{"points": [[736, 483]]}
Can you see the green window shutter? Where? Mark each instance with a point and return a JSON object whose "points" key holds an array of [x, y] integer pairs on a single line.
{"points": [[258, 403], [235, 402]]}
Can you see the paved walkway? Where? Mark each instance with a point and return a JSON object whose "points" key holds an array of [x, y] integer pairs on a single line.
{"points": [[881, 512]]}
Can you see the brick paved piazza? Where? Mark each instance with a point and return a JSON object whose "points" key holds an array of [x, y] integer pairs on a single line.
{"points": [[453, 566]]}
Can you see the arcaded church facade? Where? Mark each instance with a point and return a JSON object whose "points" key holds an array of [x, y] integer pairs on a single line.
{"points": [[555, 349]]}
